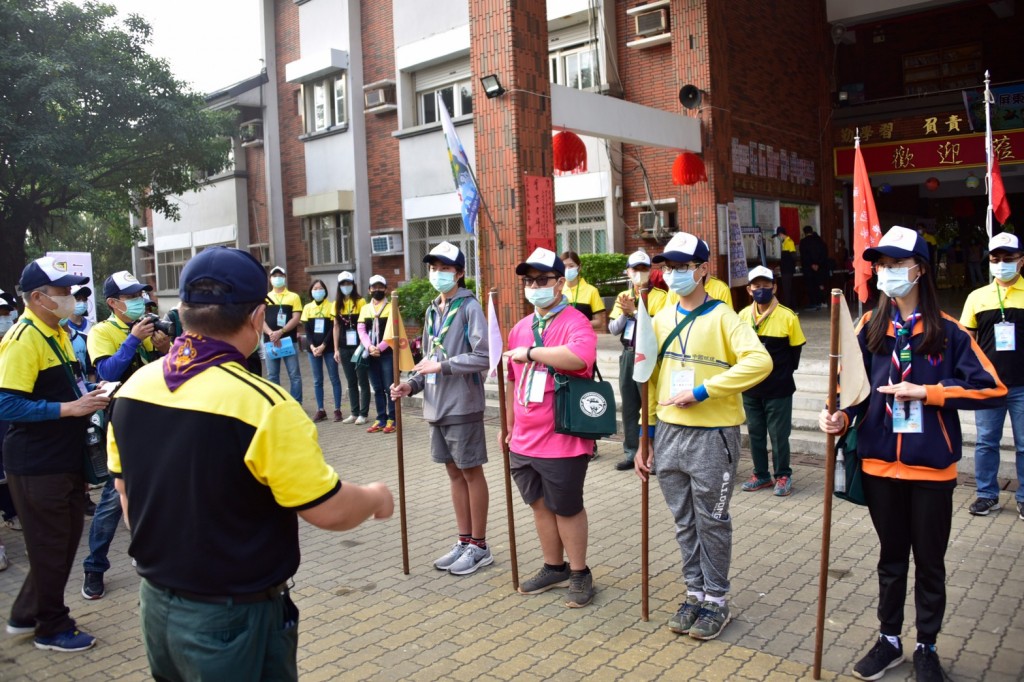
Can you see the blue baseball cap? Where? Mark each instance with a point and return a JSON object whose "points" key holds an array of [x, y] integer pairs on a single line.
{"points": [[898, 242], [48, 271], [683, 248], [240, 273]]}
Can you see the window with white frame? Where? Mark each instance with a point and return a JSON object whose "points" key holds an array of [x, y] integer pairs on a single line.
{"points": [[576, 67], [168, 267], [581, 227], [426, 234], [458, 97], [324, 103], [329, 238]]}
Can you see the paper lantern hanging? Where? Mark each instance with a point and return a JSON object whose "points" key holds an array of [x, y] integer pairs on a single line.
{"points": [[688, 169], [570, 153], [932, 184], [972, 181]]}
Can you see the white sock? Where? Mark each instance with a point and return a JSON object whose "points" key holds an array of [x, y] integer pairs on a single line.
{"points": [[716, 600], [698, 595], [893, 639]]}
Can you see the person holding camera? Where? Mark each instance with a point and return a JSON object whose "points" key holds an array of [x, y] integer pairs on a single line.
{"points": [[49, 413], [118, 347]]}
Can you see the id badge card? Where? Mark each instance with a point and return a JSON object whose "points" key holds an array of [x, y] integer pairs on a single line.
{"points": [[82, 390], [627, 333], [351, 338], [282, 319], [430, 379], [538, 382], [682, 380], [1006, 338], [318, 325], [906, 416]]}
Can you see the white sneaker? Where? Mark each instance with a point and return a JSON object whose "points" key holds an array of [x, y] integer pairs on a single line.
{"points": [[360, 420], [351, 419], [444, 562], [473, 558], [13, 524]]}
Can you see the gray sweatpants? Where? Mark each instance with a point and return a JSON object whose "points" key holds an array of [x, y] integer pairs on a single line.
{"points": [[696, 469]]}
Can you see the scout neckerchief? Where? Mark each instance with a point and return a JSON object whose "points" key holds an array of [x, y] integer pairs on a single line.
{"points": [[375, 338], [439, 329], [899, 366], [65, 361], [191, 354], [141, 350], [758, 320], [540, 324]]}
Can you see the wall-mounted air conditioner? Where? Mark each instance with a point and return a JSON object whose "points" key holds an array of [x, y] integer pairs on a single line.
{"points": [[653, 221], [651, 23], [387, 244], [379, 97]]}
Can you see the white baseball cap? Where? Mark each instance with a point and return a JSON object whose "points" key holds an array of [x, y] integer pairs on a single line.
{"points": [[761, 272], [346, 276], [543, 260], [1004, 241], [638, 257], [683, 248], [377, 279]]}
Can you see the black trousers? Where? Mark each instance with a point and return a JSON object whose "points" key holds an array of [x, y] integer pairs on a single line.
{"points": [[911, 516], [52, 512], [629, 394]]}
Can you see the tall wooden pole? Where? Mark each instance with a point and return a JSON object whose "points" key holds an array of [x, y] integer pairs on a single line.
{"points": [[502, 411], [644, 504], [830, 472], [397, 378]]}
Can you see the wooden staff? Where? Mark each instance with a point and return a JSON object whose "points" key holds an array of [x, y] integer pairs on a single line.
{"points": [[644, 503], [830, 471], [502, 410], [396, 361]]}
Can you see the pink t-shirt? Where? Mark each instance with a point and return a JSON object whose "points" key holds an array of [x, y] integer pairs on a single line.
{"points": [[533, 434]]}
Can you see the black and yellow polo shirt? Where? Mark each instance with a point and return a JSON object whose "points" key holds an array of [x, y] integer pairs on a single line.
{"points": [[374, 318], [285, 303], [214, 473], [323, 311], [31, 369], [983, 310], [106, 337], [346, 316], [585, 298], [783, 338]]}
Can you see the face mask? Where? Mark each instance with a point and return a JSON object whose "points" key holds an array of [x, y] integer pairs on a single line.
{"points": [[134, 308], [346, 289], [572, 273], [65, 305], [378, 295], [681, 282], [640, 278], [278, 282], [258, 328], [763, 296], [441, 281], [1004, 272], [81, 308], [893, 282], [63, 321], [540, 298], [319, 295], [6, 322]]}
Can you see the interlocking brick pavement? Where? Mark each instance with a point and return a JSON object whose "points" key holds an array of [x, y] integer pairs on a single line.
{"points": [[362, 619]]}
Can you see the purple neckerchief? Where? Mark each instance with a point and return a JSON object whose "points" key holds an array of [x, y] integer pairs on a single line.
{"points": [[191, 354]]}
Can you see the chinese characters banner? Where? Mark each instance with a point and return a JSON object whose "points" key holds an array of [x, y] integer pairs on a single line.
{"points": [[933, 154], [540, 212]]}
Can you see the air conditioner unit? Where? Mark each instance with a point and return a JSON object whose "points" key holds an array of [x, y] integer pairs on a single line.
{"points": [[387, 245], [379, 94], [651, 23], [652, 222]]}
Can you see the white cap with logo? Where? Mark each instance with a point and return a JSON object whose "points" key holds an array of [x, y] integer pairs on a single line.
{"points": [[761, 272]]}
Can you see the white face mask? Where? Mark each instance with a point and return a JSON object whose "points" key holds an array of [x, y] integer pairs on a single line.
{"points": [[681, 282], [6, 322], [895, 282], [540, 298], [640, 277], [65, 305]]}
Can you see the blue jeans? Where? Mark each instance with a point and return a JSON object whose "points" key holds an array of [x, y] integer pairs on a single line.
{"points": [[291, 363], [990, 432], [101, 533], [317, 365], [381, 378]]}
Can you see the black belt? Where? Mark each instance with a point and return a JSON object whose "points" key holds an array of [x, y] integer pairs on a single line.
{"points": [[268, 594]]}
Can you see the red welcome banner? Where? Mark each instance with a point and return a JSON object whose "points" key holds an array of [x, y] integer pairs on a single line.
{"points": [[932, 153]]}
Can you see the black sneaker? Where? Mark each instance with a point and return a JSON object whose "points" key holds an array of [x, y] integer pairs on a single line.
{"points": [[1020, 510], [92, 588], [882, 657], [685, 617], [983, 505], [581, 589], [546, 579], [926, 665], [90, 506], [624, 465]]}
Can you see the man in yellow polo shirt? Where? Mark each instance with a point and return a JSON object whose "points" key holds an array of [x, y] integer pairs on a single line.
{"points": [[220, 559]]}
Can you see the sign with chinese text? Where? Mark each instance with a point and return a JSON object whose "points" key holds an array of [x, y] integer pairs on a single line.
{"points": [[932, 154], [540, 212]]}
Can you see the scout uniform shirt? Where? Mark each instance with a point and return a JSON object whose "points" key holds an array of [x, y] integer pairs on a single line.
{"points": [[996, 314], [780, 332], [374, 318], [319, 321], [584, 298], [347, 319], [279, 311], [655, 301]]}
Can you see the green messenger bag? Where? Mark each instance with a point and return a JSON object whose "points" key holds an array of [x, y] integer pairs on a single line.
{"points": [[848, 485], [584, 408]]}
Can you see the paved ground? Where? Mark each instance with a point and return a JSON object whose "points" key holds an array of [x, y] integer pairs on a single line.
{"points": [[362, 619]]}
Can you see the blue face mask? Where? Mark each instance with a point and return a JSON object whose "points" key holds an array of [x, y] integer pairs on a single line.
{"points": [[134, 308], [346, 289], [81, 308], [441, 281], [1004, 272], [319, 295], [681, 282], [763, 296], [540, 298], [278, 282], [571, 274], [6, 322]]}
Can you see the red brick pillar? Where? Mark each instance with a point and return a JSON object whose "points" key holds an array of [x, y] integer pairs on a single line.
{"points": [[512, 135]]}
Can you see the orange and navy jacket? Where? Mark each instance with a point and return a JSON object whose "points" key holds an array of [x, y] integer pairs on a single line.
{"points": [[960, 378]]}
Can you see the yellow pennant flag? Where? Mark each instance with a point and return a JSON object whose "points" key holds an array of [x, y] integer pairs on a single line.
{"points": [[394, 334]]}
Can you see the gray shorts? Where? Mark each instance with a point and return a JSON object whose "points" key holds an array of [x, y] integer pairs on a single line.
{"points": [[465, 445], [558, 480]]}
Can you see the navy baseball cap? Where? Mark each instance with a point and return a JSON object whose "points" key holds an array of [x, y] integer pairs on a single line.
{"points": [[123, 283], [48, 271], [543, 260], [446, 253], [898, 242], [240, 273], [683, 248], [6, 300]]}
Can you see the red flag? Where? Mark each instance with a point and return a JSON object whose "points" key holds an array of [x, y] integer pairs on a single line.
{"points": [[866, 230], [1000, 206]]}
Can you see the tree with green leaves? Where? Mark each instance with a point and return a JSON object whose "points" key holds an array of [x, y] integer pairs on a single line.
{"points": [[90, 123]]}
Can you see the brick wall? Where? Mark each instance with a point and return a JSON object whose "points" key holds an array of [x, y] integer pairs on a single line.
{"points": [[256, 193]]}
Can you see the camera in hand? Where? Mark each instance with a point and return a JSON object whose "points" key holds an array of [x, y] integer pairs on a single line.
{"points": [[165, 326]]}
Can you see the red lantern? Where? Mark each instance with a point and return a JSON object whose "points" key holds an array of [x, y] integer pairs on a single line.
{"points": [[932, 184], [570, 154], [688, 169]]}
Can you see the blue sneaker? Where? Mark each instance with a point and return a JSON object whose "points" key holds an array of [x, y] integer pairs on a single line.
{"points": [[69, 640]]}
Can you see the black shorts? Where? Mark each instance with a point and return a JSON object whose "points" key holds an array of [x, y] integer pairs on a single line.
{"points": [[558, 480]]}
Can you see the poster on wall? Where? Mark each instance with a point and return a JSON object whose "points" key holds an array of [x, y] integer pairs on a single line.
{"points": [[79, 263], [737, 256], [540, 212]]}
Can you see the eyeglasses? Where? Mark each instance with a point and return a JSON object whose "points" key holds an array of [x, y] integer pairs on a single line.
{"points": [[1004, 259], [682, 268], [879, 267], [541, 281]]}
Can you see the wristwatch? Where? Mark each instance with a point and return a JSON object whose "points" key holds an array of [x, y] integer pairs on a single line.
{"points": [[528, 351]]}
